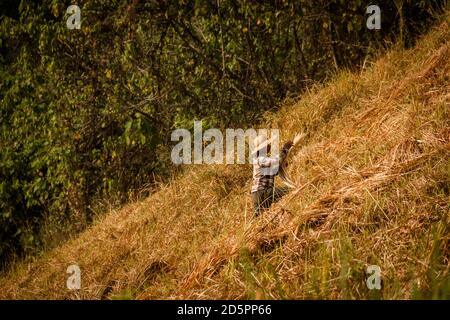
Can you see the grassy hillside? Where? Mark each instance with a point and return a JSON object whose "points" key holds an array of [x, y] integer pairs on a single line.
{"points": [[375, 178]]}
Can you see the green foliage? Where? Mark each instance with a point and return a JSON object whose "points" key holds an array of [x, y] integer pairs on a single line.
{"points": [[87, 114]]}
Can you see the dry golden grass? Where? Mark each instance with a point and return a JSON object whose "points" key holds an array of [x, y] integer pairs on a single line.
{"points": [[374, 175]]}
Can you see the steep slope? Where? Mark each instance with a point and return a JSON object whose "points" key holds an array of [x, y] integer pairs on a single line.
{"points": [[374, 175]]}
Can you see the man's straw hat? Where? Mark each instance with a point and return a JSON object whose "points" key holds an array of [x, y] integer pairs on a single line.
{"points": [[261, 141]]}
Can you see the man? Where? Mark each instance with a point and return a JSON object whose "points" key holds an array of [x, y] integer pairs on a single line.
{"points": [[265, 169]]}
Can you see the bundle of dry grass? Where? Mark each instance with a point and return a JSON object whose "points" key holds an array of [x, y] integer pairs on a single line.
{"points": [[375, 178]]}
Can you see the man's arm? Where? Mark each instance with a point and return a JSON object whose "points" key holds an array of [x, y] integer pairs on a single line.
{"points": [[284, 151], [266, 162]]}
